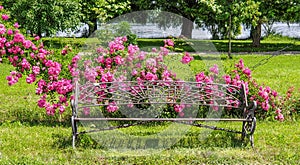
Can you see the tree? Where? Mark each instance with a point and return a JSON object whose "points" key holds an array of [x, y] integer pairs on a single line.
{"points": [[224, 18], [272, 11], [216, 16], [187, 9], [101, 10], [46, 17]]}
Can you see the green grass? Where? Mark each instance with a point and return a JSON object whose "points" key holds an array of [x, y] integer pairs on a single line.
{"points": [[279, 72], [272, 43], [28, 136], [268, 44], [276, 143]]}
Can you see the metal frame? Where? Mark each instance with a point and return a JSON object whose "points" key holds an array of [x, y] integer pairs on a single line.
{"points": [[163, 92]]}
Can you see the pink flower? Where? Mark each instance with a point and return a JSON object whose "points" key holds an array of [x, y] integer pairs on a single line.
{"points": [[63, 86], [50, 109], [181, 114], [142, 55], [138, 65], [179, 108], [1, 7], [274, 93], [112, 107], [247, 71], [151, 77], [30, 79], [86, 110], [227, 79], [166, 74], [25, 64], [278, 111], [13, 78], [200, 77], [186, 58], [168, 42], [61, 109], [268, 89], [64, 52], [164, 51], [150, 63], [214, 69], [279, 117], [119, 60], [36, 70], [5, 17], [108, 61], [132, 49], [37, 38], [62, 99], [240, 65], [27, 44], [107, 77], [116, 45], [16, 25], [10, 32], [2, 29], [134, 72], [19, 38], [41, 103], [265, 106]]}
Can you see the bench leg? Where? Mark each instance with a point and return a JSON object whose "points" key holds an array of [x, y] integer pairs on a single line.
{"points": [[252, 141], [74, 131], [243, 131], [248, 129], [253, 126]]}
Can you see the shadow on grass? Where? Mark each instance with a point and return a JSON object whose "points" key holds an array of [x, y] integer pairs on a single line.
{"points": [[222, 45], [37, 122], [219, 139]]}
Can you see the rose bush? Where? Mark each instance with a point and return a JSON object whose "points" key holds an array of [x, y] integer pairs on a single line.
{"points": [[53, 72]]}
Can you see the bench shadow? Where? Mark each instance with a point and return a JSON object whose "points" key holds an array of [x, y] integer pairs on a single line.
{"points": [[51, 122], [218, 139]]}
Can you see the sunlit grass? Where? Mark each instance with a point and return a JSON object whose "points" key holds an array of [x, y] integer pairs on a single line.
{"points": [[28, 136], [275, 143]]}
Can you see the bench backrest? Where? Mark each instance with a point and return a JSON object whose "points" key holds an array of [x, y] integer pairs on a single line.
{"points": [[139, 94]]}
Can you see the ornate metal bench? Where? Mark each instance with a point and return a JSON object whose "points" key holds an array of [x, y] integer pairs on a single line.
{"points": [[149, 101]]}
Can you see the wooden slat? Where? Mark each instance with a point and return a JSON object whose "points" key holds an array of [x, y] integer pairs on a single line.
{"points": [[161, 119]]}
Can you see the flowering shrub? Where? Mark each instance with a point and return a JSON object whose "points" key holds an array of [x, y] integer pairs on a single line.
{"points": [[38, 64], [53, 73], [264, 96], [288, 106]]}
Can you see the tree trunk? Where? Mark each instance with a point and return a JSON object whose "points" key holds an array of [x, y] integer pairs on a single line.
{"points": [[39, 33], [256, 34], [187, 28], [229, 38], [92, 27], [214, 32]]}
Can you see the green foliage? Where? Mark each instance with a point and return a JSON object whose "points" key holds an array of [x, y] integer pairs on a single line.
{"points": [[109, 9], [215, 16], [95, 11], [58, 43], [109, 31], [46, 17]]}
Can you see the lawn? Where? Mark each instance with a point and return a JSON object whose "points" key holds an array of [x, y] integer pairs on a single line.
{"points": [[272, 43], [28, 136]]}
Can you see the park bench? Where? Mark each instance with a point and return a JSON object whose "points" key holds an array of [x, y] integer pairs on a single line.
{"points": [[158, 95]]}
